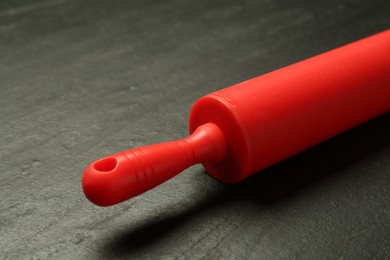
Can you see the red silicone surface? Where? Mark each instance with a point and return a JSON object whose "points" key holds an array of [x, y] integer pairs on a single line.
{"points": [[274, 116], [245, 128], [124, 175]]}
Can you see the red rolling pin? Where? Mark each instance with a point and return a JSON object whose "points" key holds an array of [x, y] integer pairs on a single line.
{"points": [[240, 130]]}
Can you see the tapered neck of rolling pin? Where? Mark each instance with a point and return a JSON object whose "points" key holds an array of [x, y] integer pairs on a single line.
{"points": [[122, 176]]}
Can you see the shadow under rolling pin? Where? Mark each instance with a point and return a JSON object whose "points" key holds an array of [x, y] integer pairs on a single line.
{"points": [[240, 130]]}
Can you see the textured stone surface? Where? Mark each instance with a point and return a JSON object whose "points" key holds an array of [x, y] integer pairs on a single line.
{"points": [[83, 79]]}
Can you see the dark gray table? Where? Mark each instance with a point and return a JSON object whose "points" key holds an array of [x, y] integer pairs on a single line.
{"points": [[83, 79]]}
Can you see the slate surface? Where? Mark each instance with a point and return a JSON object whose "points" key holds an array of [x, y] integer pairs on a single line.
{"points": [[83, 79]]}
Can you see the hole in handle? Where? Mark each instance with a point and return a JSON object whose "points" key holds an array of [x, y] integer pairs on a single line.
{"points": [[105, 164]]}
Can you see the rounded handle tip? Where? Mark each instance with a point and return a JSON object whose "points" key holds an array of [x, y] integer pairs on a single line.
{"points": [[103, 182]]}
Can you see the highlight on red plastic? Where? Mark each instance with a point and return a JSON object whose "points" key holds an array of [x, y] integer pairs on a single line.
{"points": [[250, 126], [122, 176]]}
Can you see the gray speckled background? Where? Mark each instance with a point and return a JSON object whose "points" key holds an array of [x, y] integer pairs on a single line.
{"points": [[83, 79]]}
